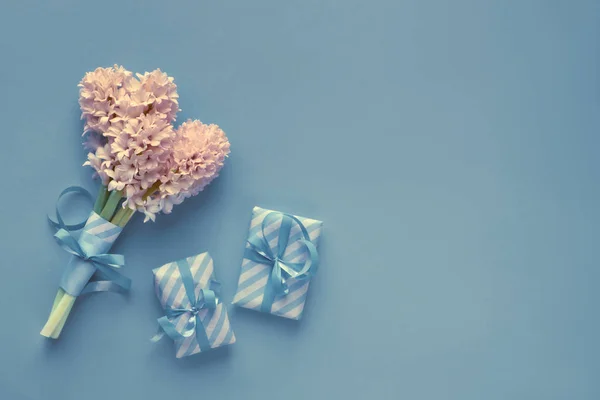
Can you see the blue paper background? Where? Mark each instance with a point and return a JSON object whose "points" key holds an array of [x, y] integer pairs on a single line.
{"points": [[451, 147]]}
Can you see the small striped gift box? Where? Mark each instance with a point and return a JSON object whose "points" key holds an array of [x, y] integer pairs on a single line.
{"points": [[253, 290], [171, 292]]}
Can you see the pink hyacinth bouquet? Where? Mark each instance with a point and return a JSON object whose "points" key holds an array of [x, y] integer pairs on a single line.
{"points": [[144, 163]]}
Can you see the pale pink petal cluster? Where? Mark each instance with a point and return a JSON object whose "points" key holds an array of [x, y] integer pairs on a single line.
{"points": [[134, 147], [98, 92], [199, 152], [162, 93], [128, 125], [140, 153], [110, 96]]}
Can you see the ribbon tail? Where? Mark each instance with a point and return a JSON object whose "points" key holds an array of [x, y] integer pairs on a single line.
{"points": [[291, 269], [168, 328], [201, 337], [159, 335], [111, 260], [257, 258], [275, 287], [103, 286], [277, 280], [258, 253], [112, 275]]}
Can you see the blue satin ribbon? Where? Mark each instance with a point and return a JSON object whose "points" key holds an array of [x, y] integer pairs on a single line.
{"points": [[76, 281], [282, 269], [208, 299], [60, 223]]}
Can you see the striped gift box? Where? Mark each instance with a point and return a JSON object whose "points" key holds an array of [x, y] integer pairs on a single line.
{"points": [[171, 293], [254, 276]]}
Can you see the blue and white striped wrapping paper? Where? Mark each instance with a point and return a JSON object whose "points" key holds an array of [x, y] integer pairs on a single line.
{"points": [[103, 229], [254, 276], [171, 293], [97, 237]]}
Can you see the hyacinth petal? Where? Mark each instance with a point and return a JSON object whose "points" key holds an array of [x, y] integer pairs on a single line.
{"points": [[133, 146], [199, 151]]}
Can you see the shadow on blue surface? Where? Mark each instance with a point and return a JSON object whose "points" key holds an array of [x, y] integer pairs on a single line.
{"points": [[9, 394], [283, 326], [208, 359], [76, 318]]}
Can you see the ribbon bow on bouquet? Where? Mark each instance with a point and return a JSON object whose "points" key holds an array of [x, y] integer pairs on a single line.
{"points": [[207, 300], [103, 263], [90, 257], [283, 266], [75, 280]]}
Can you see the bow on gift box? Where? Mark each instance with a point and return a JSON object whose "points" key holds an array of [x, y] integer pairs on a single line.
{"points": [[260, 251], [207, 299], [75, 280]]}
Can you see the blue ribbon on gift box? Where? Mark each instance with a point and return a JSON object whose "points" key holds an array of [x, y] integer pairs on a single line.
{"points": [[283, 269], [207, 299], [76, 278]]}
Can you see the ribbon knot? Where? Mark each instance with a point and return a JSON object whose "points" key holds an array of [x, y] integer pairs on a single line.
{"points": [[85, 249], [72, 246], [207, 299], [283, 267]]}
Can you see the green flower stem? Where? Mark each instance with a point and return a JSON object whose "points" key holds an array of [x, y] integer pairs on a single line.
{"points": [[101, 199], [126, 217], [56, 317], [152, 189], [63, 320], [111, 205], [59, 296], [119, 215]]}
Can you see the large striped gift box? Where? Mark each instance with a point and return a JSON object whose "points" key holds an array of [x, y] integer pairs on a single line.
{"points": [[254, 276], [171, 293]]}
